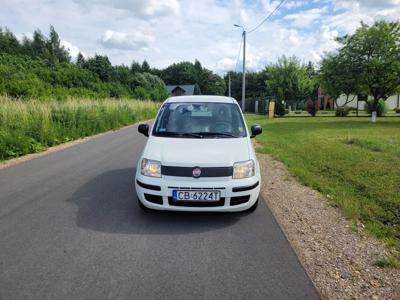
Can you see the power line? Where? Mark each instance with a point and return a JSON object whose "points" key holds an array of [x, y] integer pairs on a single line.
{"points": [[237, 58], [270, 14]]}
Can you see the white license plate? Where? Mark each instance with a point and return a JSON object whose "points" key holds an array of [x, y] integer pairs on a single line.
{"points": [[185, 195]]}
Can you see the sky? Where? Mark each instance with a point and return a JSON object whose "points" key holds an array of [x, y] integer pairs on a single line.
{"points": [[168, 31]]}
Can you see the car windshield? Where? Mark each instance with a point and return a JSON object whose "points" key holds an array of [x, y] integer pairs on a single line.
{"points": [[200, 120]]}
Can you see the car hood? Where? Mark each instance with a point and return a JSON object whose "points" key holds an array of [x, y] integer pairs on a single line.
{"points": [[219, 152]]}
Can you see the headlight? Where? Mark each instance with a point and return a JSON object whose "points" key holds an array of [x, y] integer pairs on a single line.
{"points": [[150, 168], [243, 169]]}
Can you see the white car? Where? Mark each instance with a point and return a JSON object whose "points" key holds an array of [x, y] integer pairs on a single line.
{"points": [[198, 157]]}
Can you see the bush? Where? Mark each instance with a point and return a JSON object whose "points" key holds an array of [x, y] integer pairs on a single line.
{"points": [[311, 107], [397, 110], [342, 111], [380, 110], [279, 109]]}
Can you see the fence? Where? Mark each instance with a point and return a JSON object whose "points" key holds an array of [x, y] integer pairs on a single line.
{"points": [[256, 105]]}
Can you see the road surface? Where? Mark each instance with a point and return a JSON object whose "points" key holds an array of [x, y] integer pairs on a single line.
{"points": [[70, 228]]}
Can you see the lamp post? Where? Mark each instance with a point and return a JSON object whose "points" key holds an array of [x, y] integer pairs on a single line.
{"points": [[244, 67]]}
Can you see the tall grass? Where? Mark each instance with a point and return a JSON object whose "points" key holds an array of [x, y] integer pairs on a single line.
{"points": [[32, 126]]}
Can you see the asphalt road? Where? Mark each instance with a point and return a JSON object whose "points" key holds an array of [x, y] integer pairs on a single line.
{"points": [[70, 228]]}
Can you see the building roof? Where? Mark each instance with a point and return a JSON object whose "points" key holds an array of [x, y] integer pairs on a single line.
{"points": [[202, 98], [188, 88]]}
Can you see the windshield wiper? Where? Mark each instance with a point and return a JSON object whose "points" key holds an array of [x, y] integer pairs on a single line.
{"points": [[208, 133], [183, 134]]}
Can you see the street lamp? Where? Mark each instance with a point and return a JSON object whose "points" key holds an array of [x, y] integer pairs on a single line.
{"points": [[244, 67]]}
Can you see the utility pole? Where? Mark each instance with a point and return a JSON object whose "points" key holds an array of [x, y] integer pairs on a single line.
{"points": [[229, 84], [244, 67]]}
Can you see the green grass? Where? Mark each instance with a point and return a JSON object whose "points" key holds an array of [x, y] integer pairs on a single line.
{"points": [[32, 126], [355, 162]]}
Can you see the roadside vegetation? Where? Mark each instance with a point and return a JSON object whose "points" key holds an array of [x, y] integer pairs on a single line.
{"points": [[356, 165], [32, 126], [47, 97], [41, 68]]}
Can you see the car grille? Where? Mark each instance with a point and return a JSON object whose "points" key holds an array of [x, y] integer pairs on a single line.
{"points": [[205, 172]]}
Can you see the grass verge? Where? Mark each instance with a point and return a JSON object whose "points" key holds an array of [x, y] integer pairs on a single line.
{"points": [[355, 163], [32, 126]]}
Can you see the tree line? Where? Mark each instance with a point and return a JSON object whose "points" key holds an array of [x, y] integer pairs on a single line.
{"points": [[366, 64], [40, 67], [289, 81]]}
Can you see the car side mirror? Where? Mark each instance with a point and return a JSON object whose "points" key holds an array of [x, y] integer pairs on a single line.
{"points": [[144, 129], [255, 130]]}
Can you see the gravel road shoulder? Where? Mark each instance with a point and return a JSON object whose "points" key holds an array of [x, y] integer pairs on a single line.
{"points": [[338, 260]]}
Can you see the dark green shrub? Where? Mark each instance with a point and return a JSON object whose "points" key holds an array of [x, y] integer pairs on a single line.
{"points": [[342, 111], [279, 109], [380, 109], [397, 110], [311, 107]]}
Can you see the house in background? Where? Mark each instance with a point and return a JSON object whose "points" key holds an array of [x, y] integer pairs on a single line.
{"points": [[391, 102], [183, 90], [324, 101]]}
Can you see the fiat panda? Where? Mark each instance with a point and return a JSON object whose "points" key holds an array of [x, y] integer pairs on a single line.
{"points": [[198, 157]]}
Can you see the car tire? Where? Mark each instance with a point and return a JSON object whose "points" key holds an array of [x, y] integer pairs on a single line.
{"points": [[253, 207]]}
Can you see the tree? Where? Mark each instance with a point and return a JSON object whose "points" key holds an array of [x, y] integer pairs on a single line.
{"points": [[80, 59], [289, 80], [339, 76], [373, 52], [101, 66], [210, 83], [198, 67], [38, 47], [135, 67], [57, 52], [145, 66], [180, 73], [189, 73], [8, 42]]}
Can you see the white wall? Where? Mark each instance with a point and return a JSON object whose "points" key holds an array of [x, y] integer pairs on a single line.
{"points": [[391, 102]]}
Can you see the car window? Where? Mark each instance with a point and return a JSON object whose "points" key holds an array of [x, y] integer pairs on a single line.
{"points": [[200, 120]]}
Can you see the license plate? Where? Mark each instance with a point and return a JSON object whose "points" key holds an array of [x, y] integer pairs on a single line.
{"points": [[185, 195]]}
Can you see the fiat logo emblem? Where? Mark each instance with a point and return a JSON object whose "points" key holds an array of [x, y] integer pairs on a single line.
{"points": [[196, 172]]}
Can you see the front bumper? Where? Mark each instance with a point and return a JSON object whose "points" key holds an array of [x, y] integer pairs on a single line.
{"points": [[236, 194]]}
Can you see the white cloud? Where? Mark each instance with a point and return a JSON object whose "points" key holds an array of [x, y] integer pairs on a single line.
{"points": [[225, 63], [72, 49], [269, 5], [167, 31], [25, 35], [294, 4], [140, 8], [346, 4], [305, 18], [125, 41]]}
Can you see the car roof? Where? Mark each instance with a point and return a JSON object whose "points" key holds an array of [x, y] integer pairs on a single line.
{"points": [[202, 98]]}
